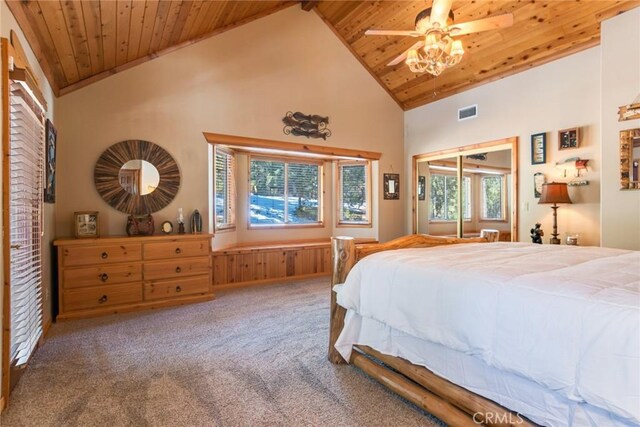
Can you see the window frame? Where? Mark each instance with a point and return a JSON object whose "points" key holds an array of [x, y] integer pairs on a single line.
{"points": [[503, 199], [286, 160], [469, 202], [231, 198], [340, 223]]}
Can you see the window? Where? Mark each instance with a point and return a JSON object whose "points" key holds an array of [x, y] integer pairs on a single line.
{"points": [[284, 192], [493, 197], [354, 192], [23, 200], [444, 197], [225, 189]]}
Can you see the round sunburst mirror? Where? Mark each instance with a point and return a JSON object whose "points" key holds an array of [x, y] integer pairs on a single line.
{"points": [[137, 177]]}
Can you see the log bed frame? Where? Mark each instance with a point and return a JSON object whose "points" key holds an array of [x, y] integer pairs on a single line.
{"points": [[451, 403]]}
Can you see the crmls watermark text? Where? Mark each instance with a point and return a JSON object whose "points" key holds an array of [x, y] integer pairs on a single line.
{"points": [[497, 418]]}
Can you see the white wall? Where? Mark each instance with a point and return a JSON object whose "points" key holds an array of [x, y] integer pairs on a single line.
{"points": [[620, 55], [241, 82], [554, 96], [8, 23]]}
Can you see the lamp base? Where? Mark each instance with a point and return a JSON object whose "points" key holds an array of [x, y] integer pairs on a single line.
{"points": [[554, 241]]}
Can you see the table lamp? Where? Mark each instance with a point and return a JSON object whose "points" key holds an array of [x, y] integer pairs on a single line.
{"points": [[554, 192]]}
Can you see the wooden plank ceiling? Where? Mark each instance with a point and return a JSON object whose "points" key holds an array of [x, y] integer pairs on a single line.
{"points": [[78, 42]]}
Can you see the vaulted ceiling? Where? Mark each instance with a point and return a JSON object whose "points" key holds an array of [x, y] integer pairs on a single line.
{"points": [[80, 42]]}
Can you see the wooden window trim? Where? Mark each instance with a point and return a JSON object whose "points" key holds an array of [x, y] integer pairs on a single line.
{"points": [[368, 175], [287, 159]]}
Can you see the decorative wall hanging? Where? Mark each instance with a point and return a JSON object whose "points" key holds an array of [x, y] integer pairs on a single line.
{"points": [[391, 186], [310, 126], [539, 148], [538, 180], [630, 159], [124, 189], [568, 138], [50, 172], [631, 111], [479, 156]]}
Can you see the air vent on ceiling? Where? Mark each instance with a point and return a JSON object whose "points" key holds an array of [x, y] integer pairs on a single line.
{"points": [[468, 112]]}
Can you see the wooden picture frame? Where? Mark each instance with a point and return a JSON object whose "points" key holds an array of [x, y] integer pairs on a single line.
{"points": [[391, 186], [51, 136], [539, 148], [422, 187], [630, 159], [86, 224], [568, 138], [538, 179]]}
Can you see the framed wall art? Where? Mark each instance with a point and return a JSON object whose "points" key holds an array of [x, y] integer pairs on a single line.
{"points": [[86, 224], [422, 187], [568, 138], [50, 171], [538, 180], [539, 149], [391, 186]]}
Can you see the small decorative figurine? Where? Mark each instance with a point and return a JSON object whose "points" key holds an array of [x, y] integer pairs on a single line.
{"points": [[196, 222], [537, 233], [180, 221]]}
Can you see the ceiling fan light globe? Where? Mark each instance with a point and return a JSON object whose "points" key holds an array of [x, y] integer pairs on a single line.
{"points": [[412, 58], [456, 48]]}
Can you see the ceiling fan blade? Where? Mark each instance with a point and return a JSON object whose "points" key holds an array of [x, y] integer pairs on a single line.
{"points": [[492, 23], [391, 33], [402, 57], [440, 12]]}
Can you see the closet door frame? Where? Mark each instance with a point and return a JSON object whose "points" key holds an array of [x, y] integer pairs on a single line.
{"points": [[510, 143]]}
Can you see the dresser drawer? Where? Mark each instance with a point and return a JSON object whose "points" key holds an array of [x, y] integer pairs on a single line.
{"points": [[85, 255], [176, 268], [104, 296], [176, 288], [176, 249], [101, 275]]}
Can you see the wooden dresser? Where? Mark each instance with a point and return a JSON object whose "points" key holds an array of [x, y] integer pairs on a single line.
{"points": [[117, 274]]}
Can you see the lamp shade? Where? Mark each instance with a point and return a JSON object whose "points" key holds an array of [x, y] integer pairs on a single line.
{"points": [[554, 192]]}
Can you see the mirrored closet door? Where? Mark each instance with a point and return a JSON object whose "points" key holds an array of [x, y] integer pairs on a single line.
{"points": [[460, 192]]}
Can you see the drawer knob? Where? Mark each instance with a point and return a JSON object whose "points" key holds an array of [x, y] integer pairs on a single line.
{"points": [[178, 270], [102, 299], [104, 255], [104, 277], [178, 289], [178, 250]]}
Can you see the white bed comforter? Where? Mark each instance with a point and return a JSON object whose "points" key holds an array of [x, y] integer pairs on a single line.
{"points": [[567, 318]]}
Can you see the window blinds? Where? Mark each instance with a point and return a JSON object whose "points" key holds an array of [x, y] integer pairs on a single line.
{"points": [[26, 152], [225, 189]]}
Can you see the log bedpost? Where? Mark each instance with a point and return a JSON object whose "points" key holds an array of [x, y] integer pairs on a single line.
{"points": [[343, 258]]}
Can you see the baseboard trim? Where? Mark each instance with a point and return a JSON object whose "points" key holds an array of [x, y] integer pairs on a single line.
{"points": [[251, 283]]}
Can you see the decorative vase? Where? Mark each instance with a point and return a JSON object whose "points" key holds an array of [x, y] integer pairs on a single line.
{"points": [[196, 222]]}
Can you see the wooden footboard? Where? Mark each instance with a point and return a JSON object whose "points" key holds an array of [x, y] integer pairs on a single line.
{"points": [[447, 401]]}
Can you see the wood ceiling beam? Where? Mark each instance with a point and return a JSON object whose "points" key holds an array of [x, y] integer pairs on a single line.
{"points": [[307, 5]]}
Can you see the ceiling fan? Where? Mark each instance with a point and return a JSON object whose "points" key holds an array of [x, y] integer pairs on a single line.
{"points": [[438, 50]]}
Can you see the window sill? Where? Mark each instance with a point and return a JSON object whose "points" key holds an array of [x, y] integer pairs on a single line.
{"points": [[284, 226], [226, 229], [447, 221], [493, 220], [354, 225]]}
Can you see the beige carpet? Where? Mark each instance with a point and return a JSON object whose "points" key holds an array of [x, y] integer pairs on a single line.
{"points": [[253, 357]]}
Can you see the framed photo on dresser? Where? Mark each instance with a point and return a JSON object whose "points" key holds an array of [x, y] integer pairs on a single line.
{"points": [[86, 224]]}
